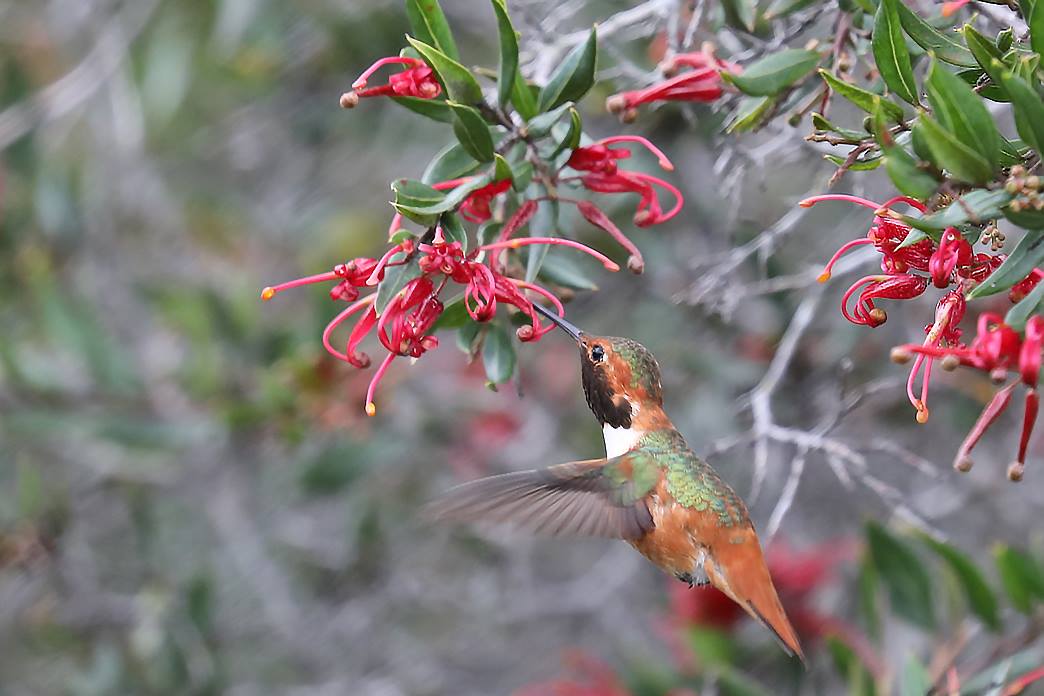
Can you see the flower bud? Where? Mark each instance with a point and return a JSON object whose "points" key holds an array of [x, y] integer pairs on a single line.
{"points": [[900, 355], [349, 100], [525, 333], [877, 316], [615, 104], [1016, 471]]}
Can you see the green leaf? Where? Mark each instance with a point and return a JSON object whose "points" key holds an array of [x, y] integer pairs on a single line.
{"points": [[508, 68], [1021, 576], [822, 124], [452, 162], [975, 206], [1026, 219], [961, 112], [563, 269], [749, 114], [523, 98], [472, 132], [425, 209], [1035, 21], [573, 76], [541, 125], [980, 597], [395, 279], [435, 109], [930, 39], [867, 585], [909, 586], [743, 13], [864, 99], [498, 355], [985, 53], [454, 316], [774, 73], [468, 336], [859, 165], [915, 680], [453, 230], [430, 26], [901, 167], [1029, 305], [413, 198], [890, 52], [1027, 255], [1029, 110], [1010, 152], [953, 155], [461, 86], [567, 138]]}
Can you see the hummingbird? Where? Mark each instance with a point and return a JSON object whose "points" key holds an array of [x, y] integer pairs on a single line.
{"points": [[651, 490]]}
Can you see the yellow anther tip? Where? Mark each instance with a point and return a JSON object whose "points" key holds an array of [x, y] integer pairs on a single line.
{"points": [[823, 277], [922, 415], [268, 294], [371, 409]]}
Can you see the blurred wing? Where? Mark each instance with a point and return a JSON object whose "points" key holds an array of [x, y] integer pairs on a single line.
{"points": [[597, 497]]}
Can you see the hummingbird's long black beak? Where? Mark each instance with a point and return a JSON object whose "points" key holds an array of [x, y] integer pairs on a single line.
{"points": [[562, 323]]}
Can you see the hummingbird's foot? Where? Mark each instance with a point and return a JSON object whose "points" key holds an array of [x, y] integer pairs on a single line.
{"points": [[695, 580]]}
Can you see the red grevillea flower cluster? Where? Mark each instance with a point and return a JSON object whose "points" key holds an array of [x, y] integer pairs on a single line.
{"points": [[691, 77], [996, 350], [418, 80], [953, 265], [403, 326]]}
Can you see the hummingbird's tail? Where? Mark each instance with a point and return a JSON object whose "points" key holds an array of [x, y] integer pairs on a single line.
{"points": [[739, 571]]}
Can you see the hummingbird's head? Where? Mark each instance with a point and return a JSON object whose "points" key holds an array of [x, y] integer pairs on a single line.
{"points": [[620, 376]]}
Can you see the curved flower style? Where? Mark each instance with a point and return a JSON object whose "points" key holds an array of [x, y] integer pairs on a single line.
{"points": [[403, 326], [418, 80]]}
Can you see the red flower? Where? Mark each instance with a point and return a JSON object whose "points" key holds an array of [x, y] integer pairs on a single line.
{"points": [[404, 324], [899, 286], [476, 206], [996, 350], [417, 81], [1026, 285], [701, 84]]}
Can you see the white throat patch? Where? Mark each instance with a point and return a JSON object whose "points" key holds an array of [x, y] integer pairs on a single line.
{"points": [[619, 440]]}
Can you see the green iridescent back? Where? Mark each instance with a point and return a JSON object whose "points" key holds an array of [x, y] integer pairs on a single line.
{"points": [[692, 482]]}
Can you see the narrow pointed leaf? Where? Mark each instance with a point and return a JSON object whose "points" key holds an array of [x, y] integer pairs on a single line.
{"points": [[453, 230], [452, 162], [541, 125], [1035, 20], [1029, 110], [508, 68], [981, 599], [523, 98], [461, 86], [774, 73], [498, 355], [564, 270], [742, 13], [891, 54], [931, 39], [908, 584], [1029, 305], [472, 132], [749, 114], [543, 224], [953, 155], [573, 76], [985, 53], [1021, 576], [1026, 219], [430, 26], [961, 112], [975, 206], [435, 109], [1027, 255], [864, 99]]}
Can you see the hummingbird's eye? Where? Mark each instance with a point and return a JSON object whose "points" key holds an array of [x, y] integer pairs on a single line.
{"points": [[598, 353]]}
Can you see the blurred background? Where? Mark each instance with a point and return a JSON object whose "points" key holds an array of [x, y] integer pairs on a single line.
{"points": [[192, 500]]}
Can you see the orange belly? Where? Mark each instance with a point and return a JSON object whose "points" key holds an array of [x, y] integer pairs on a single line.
{"points": [[672, 544]]}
